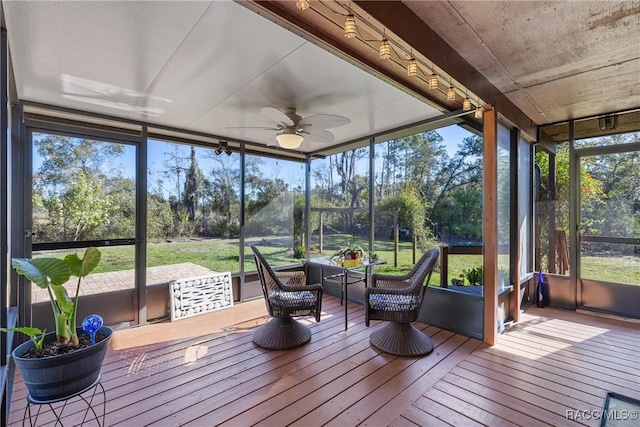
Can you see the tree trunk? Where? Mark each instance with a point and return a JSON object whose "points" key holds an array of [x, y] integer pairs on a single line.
{"points": [[396, 239]]}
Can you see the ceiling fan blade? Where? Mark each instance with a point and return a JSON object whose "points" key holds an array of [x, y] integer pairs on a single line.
{"points": [[277, 116], [324, 121], [318, 135], [252, 128]]}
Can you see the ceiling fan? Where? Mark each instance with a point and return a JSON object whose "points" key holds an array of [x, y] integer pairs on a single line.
{"points": [[291, 129]]}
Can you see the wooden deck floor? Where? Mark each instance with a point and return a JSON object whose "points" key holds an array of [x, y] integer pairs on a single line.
{"points": [[205, 371]]}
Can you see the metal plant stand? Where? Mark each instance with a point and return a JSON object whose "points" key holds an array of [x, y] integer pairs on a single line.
{"points": [[88, 396]]}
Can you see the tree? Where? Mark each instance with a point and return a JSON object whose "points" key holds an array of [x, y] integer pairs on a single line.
{"points": [[82, 206], [192, 186], [62, 156], [175, 165], [222, 189], [160, 224], [407, 207], [74, 187], [463, 170]]}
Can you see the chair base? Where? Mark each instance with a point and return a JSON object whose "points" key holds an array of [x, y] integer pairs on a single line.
{"points": [[401, 339], [281, 334]]}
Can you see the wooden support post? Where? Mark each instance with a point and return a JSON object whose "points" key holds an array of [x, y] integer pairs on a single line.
{"points": [[514, 223], [490, 226]]}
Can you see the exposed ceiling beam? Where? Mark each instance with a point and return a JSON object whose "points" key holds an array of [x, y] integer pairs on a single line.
{"points": [[399, 19]]}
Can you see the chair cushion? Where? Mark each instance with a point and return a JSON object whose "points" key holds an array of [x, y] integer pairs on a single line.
{"points": [[386, 302], [292, 299]]}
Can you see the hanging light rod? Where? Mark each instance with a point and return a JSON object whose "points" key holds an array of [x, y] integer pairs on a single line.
{"points": [[386, 47]]}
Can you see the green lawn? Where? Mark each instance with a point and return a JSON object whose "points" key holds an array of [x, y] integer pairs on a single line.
{"points": [[223, 255]]}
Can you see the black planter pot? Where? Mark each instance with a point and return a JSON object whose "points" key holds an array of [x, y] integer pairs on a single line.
{"points": [[53, 378]]}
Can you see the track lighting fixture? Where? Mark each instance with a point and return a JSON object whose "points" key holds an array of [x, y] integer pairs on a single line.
{"points": [[433, 81], [466, 104], [451, 94], [223, 147], [412, 68], [350, 27], [385, 50]]}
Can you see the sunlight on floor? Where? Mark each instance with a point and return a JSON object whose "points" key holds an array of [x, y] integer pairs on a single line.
{"points": [[537, 337], [195, 352]]}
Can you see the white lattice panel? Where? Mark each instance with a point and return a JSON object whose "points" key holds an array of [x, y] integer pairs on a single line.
{"points": [[199, 295]]}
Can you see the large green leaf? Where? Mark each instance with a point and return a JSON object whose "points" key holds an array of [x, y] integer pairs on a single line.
{"points": [[62, 297], [42, 271], [82, 267], [32, 332]]}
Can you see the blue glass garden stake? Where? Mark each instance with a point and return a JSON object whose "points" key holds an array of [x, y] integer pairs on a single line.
{"points": [[91, 324]]}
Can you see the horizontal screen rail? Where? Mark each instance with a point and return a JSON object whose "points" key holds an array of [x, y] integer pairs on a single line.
{"points": [[51, 246]]}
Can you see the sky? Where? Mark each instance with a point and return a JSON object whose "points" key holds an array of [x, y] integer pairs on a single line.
{"points": [[287, 170]]}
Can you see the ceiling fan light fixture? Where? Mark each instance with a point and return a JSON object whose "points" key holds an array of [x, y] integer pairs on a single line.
{"points": [[289, 139], [451, 94], [302, 5], [412, 68], [608, 123], [466, 104], [385, 50], [350, 27]]}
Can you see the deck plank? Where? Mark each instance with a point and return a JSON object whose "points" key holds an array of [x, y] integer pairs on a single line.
{"points": [[414, 416], [449, 394], [454, 398], [206, 370], [460, 347]]}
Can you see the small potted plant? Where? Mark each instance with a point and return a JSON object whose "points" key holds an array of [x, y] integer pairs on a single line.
{"points": [[72, 362], [473, 276], [351, 251]]}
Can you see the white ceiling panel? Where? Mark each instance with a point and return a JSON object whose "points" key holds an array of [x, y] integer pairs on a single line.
{"points": [[204, 66], [94, 56], [339, 89], [219, 57]]}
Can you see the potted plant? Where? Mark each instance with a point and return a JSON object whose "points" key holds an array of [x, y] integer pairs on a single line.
{"points": [[351, 251], [473, 276], [65, 362]]}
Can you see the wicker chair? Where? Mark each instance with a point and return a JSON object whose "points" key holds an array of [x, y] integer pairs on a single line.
{"points": [[397, 299], [286, 295]]}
